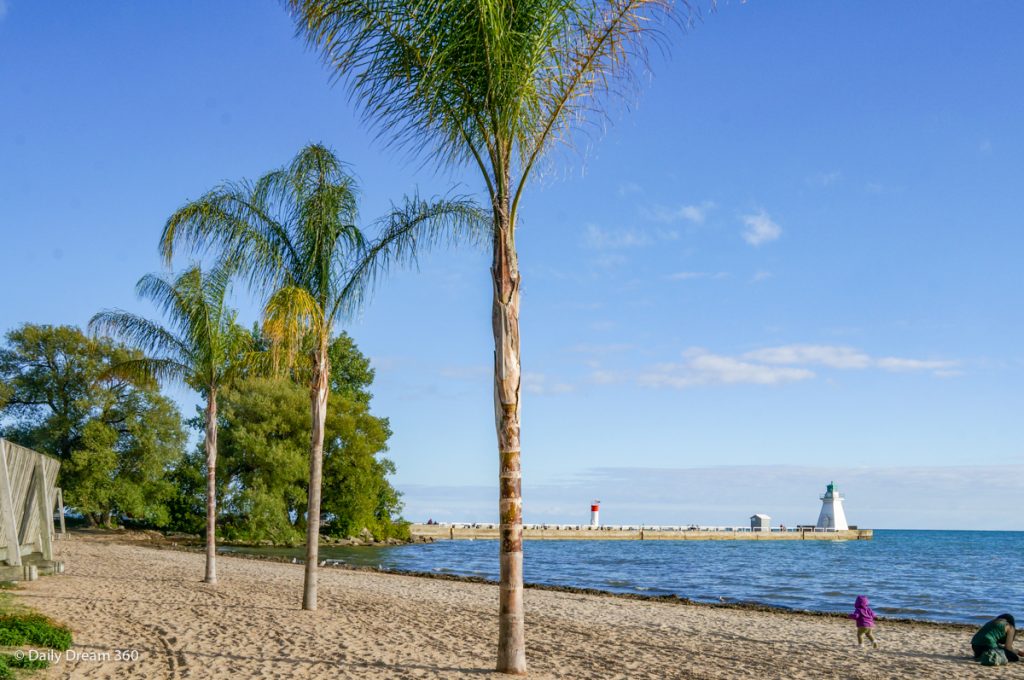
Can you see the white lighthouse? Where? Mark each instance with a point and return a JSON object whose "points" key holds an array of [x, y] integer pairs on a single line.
{"points": [[595, 508], [832, 515]]}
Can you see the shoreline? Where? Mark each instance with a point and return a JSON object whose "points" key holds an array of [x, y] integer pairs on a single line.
{"points": [[119, 594], [578, 590]]}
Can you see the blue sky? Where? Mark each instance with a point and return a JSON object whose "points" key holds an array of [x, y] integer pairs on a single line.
{"points": [[797, 246]]}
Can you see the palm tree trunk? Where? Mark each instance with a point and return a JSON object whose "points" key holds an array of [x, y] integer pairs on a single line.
{"points": [[211, 486], [318, 393], [505, 322]]}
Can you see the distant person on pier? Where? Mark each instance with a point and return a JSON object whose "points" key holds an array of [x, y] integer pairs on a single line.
{"points": [[864, 617], [993, 643]]}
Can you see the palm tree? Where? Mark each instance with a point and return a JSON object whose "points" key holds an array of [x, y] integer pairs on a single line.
{"points": [[493, 84], [202, 346], [294, 236]]}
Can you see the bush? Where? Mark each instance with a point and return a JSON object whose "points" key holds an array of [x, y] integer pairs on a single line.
{"points": [[9, 661], [33, 629]]}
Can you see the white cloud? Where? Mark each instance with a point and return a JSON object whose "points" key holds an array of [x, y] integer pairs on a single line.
{"points": [[761, 276], [823, 355], [599, 239], [690, 276], [843, 357], [538, 383], [605, 377], [777, 365], [695, 214], [704, 368], [760, 228], [902, 365]]}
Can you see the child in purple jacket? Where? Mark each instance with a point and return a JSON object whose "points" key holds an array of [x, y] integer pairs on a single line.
{"points": [[864, 616]]}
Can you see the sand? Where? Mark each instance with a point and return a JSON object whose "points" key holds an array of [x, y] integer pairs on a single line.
{"points": [[141, 600]]}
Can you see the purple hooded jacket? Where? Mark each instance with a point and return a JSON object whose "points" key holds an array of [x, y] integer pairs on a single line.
{"points": [[862, 613]]}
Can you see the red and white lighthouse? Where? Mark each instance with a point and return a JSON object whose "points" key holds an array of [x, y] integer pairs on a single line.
{"points": [[595, 508]]}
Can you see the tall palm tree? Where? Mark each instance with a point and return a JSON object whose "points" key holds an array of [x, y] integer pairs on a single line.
{"points": [[492, 84], [202, 346], [294, 236]]}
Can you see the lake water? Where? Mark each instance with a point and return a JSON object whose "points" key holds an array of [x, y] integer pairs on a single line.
{"points": [[961, 576]]}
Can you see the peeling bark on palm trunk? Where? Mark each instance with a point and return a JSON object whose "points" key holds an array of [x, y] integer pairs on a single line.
{"points": [[507, 374], [211, 487], [318, 402]]}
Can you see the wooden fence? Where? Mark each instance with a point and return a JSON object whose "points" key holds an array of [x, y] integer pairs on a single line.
{"points": [[28, 492]]}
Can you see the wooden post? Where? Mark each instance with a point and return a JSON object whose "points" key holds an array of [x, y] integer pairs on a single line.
{"points": [[9, 523], [60, 504], [45, 510]]}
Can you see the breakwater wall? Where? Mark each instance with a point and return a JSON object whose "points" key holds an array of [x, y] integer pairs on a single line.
{"points": [[636, 533]]}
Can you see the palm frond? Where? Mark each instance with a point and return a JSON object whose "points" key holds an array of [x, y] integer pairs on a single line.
{"points": [[492, 82], [148, 369], [411, 228], [292, 320], [242, 232], [141, 333]]}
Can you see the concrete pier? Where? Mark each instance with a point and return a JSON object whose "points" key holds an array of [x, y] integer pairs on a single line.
{"points": [[562, 532]]}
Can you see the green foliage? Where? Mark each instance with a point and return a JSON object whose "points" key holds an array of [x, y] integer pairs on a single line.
{"points": [[351, 374], [265, 458], [264, 426], [33, 629], [186, 507], [9, 661], [264, 453], [115, 435], [356, 491]]}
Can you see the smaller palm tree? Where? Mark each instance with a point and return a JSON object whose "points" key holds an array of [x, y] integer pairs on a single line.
{"points": [[202, 346], [294, 235]]}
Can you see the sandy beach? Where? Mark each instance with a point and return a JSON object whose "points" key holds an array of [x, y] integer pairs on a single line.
{"points": [[138, 599]]}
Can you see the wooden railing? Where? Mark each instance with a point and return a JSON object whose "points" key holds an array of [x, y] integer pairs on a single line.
{"points": [[28, 493]]}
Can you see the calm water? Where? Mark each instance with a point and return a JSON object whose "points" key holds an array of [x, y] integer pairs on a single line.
{"points": [[963, 576]]}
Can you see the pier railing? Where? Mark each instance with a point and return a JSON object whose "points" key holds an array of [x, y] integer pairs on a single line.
{"points": [[631, 527], [691, 532]]}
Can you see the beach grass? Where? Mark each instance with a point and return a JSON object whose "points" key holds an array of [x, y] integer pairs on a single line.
{"points": [[21, 627]]}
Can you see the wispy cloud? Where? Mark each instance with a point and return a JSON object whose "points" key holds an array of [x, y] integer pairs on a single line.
{"points": [[3, 9], [938, 367], [843, 357], [760, 228], [761, 276], [695, 214], [539, 383], [704, 368], [821, 355], [608, 239], [690, 276], [772, 366]]}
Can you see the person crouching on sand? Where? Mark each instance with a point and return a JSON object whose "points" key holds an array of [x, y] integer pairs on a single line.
{"points": [[994, 641], [864, 617]]}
